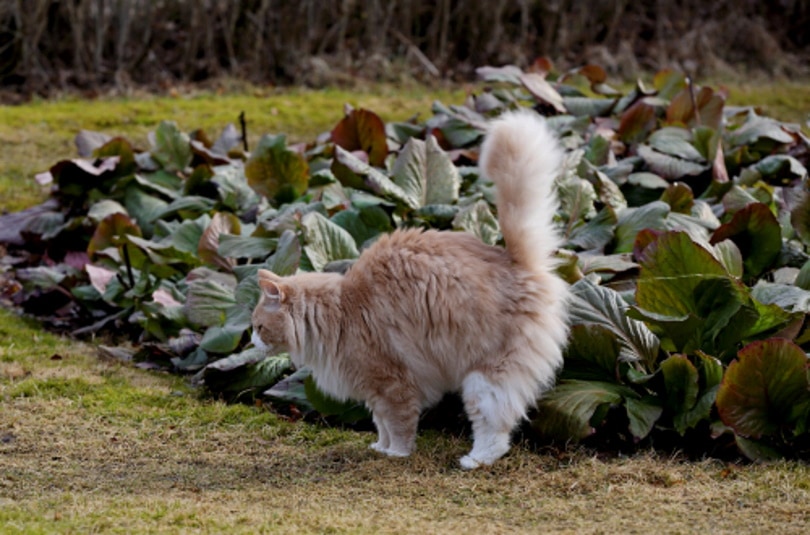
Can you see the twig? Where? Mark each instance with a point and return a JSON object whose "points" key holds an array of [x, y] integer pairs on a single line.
{"points": [[413, 49], [691, 85], [129, 266], [243, 124]]}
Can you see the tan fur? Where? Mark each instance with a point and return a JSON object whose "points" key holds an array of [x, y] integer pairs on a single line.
{"points": [[425, 313]]}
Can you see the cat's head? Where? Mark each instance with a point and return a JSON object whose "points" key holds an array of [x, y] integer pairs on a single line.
{"points": [[273, 327]]}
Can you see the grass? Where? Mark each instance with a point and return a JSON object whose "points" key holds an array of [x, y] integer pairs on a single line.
{"points": [[37, 135], [88, 445]]}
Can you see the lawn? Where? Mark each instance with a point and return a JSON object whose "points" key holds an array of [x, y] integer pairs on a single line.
{"points": [[90, 445]]}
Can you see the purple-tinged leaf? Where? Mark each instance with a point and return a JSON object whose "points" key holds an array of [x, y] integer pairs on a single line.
{"points": [[207, 249], [637, 123], [758, 235], [763, 388]]}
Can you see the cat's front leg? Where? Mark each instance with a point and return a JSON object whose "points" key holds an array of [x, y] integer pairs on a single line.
{"points": [[383, 440], [396, 427]]}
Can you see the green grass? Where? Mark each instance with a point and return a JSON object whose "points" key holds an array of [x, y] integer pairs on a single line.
{"points": [[789, 102], [90, 445], [37, 135]]}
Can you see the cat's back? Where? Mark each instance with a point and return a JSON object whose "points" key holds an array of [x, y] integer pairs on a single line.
{"points": [[443, 278], [416, 255]]}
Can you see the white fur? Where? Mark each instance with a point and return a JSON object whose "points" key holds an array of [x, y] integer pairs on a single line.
{"points": [[257, 341], [522, 156]]}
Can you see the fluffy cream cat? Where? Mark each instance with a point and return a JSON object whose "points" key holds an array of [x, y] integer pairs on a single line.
{"points": [[422, 313]]}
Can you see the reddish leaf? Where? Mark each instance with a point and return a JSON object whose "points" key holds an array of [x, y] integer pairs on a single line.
{"points": [[222, 223], [541, 66], [112, 232], [763, 386], [681, 110], [362, 130], [757, 233], [643, 240], [637, 123], [594, 73], [122, 149]]}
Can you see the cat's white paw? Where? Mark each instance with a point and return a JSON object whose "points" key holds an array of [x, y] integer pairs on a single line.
{"points": [[389, 451], [397, 453], [468, 463]]}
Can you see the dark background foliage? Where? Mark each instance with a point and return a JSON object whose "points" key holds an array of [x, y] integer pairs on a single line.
{"points": [[48, 45]]}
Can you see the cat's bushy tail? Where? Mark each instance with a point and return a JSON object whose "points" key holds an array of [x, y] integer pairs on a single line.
{"points": [[522, 156]]}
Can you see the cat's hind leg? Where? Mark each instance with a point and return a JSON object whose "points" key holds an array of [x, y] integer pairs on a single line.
{"points": [[493, 411]]}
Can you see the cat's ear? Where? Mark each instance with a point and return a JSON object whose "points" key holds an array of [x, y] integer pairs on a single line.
{"points": [[274, 294]]}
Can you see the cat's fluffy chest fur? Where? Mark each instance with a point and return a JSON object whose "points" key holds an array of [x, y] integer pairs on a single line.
{"points": [[424, 313]]}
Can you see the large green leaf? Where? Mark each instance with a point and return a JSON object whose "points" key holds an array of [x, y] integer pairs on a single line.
{"points": [[275, 171], [102, 209], [592, 353], [426, 173], [143, 207], [349, 411], [285, 260], [642, 414], [171, 147], [757, 128], [672, 267], [326, 241], [778, 169], [232, 246], [237, 195], [364, 223], [763, 389], [221, 339], [668, 166], [676, 142], [681, 390], [210, 295], [355, 173], [596, 305], [596, 233], [786, 296], [695, 303], [478, 220], [633, 220], [245, 373], [566, 412]]}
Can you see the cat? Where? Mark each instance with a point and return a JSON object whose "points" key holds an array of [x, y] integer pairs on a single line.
{"points": [[425, 312]]}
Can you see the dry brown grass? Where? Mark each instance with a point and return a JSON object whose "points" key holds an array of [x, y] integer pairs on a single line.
{"points": [[91, 446]]}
